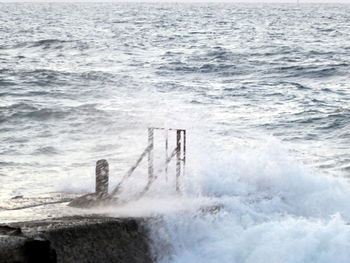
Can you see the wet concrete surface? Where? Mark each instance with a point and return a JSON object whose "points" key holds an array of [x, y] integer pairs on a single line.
{"points": [[85, 238]]}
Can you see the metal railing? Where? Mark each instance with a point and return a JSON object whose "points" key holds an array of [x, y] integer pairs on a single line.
{"points": [[101, 195], [179, 152]]}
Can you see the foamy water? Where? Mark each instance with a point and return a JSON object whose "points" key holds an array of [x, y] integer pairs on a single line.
{"points": [[272, 209], [256, 204], [261, 89]]}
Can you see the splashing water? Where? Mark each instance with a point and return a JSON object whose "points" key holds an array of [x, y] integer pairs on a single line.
{"points": [[252, 205], [256, 205], [79, 82]]}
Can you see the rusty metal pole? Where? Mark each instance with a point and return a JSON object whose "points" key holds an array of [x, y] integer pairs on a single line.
{"points": [[178, 159], [102, 174], [150, 153]]}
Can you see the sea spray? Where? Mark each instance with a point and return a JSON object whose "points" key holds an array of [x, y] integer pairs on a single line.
{"points": [[268, 208], [229, 237], [85, 85], [253, 204]]}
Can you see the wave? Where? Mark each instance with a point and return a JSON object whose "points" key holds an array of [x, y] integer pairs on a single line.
{"points": [[48, 150], [312, 71], [265, 207], [45, 77], [45, 44], [7, 164], [18, 106], [324, 121], [18, 111], [219, 68], [4, 83]]}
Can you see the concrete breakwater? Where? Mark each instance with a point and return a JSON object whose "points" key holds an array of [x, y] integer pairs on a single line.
{"points": [[83, 238], [75, 239]]}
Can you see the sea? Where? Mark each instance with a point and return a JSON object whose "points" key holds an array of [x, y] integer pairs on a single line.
{"points": [[263, 91]]}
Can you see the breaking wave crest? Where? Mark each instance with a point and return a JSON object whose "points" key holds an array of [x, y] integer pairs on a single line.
{"points": [[256, 205]]}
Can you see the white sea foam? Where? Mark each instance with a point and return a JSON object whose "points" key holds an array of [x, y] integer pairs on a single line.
{"points": [[253, 204], [269, 209]]}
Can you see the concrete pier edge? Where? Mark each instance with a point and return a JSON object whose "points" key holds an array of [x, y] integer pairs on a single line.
{"points": [[75, 239]]}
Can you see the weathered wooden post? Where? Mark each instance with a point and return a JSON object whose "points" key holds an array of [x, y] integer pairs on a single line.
{"points": [[102, 176]]}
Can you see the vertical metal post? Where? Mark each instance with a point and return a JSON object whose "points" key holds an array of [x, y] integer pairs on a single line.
{"points": [[150, 153], [102, 174], [184, 152], [166, 153], [178, 159]]}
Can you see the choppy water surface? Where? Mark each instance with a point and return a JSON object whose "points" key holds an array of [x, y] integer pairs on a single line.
{"points": [[262, 89]]}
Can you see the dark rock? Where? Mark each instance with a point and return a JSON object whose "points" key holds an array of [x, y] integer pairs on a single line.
{"points": [[25, 250], [12, 249], [10, 231], [39, 251]]}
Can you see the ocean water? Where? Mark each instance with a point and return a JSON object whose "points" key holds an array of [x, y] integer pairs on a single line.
{"points": [[262, 89]]}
